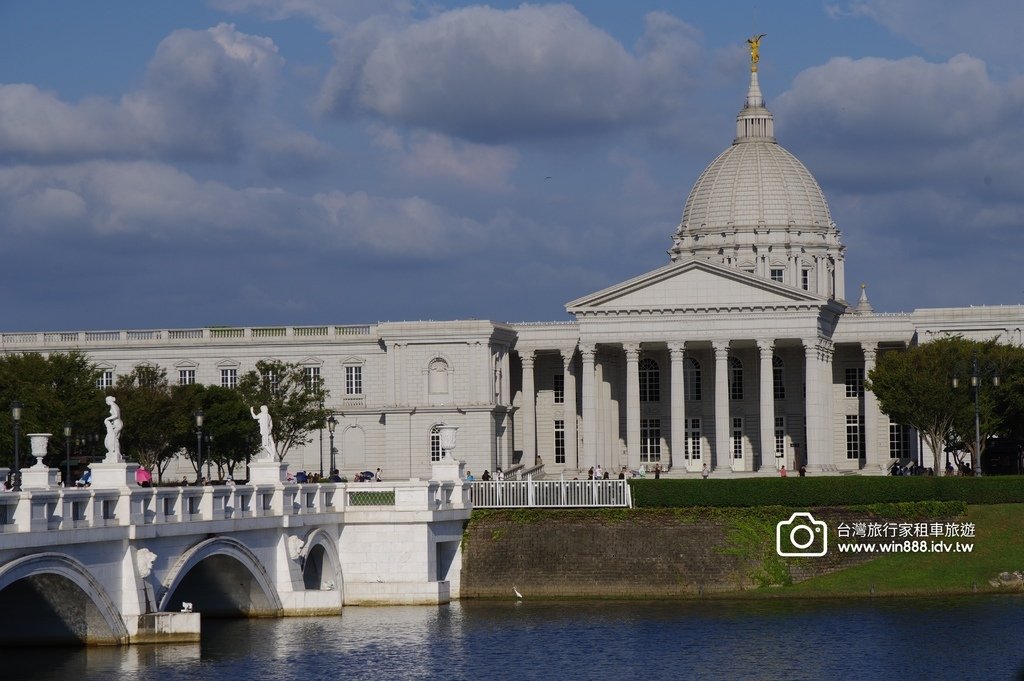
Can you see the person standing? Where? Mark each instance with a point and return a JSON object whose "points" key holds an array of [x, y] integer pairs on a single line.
{"points": [[704, 472], [782, 472]]}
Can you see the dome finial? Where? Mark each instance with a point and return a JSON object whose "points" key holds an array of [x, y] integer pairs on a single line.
{"points": [[864, 305], [755, 44]]}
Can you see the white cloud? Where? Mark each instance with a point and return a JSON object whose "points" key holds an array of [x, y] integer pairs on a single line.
{"points": [[984, 28], [946, 123], [200, 101], [405, 227], [487, 75]]}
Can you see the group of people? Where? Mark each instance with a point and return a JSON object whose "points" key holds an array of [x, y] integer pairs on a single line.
{"points": [[913, 468]]}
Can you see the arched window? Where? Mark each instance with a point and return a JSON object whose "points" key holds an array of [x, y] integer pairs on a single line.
{"points": [[437, 377], [435, 443], [691, 374], [735, 378], [778, 378], [650, 382]]}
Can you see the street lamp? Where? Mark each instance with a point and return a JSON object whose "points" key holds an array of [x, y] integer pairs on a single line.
{"points": [[16, 416], [199, 444], [332, 423], [209, 454], [67, 453], [976, 374]]}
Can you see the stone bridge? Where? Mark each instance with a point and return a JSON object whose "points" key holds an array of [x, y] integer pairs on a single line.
{"points": [[116, 563]]}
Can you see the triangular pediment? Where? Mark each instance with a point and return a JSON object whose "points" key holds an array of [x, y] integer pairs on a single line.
{"points": [[696, 285]]}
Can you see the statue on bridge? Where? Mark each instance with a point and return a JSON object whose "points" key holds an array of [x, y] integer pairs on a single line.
{"points": [[114, 425], [269, 450]]}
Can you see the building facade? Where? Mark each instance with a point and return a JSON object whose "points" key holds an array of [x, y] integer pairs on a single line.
{"points": [[742, 353]]}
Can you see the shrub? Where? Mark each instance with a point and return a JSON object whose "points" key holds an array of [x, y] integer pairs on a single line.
{"points": [[844, 490]]}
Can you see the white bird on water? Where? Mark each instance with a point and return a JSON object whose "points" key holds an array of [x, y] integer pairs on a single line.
{"points": [[514, 589]]}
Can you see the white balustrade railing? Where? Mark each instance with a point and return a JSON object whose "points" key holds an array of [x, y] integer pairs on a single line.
{"points": [[74, 509], [550, 493]]}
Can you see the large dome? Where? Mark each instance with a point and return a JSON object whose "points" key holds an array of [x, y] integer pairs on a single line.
{"points": [[757, 208], [755, 183]]}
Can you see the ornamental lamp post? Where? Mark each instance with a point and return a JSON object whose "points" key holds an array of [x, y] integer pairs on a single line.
{"points": [[67, 453], [16, 417], [209, 456], [199, 444], [332, 423], [976, 376]]}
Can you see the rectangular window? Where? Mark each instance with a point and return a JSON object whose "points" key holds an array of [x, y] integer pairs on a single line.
{"points": [[899, 442], [186, 376], [692, 439], [854, 436], [778, 381], [559, 441], [229, 378], [650, 440], [737, 437], [312, 379], [354, 380], [855, 381], [805, 279], [777, 274], [270, 380], [105, 380], [780, 437], [558, 387], [435, 444]]}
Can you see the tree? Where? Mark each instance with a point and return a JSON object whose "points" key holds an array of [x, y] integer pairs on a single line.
{"points": [[227, 427], [145, 399], [295, 401], [915, 388], [54, 390]]}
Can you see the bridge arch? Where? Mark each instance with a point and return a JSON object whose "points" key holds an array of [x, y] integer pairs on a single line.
{"points": [[221, 576], [66, 602], [321, 565]]}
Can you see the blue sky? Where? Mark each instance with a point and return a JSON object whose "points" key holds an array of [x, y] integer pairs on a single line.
{"points": [[255, 162]]}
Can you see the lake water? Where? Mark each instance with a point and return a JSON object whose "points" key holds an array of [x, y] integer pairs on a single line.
{"points": [[979, 637]]}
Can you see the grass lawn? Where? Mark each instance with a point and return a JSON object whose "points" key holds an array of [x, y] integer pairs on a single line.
{"points": [[998, 547]]}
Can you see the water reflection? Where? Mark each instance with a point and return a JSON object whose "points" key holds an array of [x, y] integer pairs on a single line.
{"points": [[785, 639]]}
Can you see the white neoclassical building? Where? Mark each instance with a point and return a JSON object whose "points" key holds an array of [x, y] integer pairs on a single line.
{"points": [[741, 353]]}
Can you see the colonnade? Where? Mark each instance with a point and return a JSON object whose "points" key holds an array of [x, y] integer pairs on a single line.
{"points": [[815, 442]]}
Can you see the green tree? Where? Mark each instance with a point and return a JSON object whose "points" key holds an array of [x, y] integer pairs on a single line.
{"points": [[296, 403], [53, 390], [228, 438], [915, 388], [145, 399]]}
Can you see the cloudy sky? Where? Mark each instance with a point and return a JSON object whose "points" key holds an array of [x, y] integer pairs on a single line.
{"points": [[256, 162]]}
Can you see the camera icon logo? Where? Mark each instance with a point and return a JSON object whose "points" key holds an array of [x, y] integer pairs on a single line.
{"points": [[801, 536]]}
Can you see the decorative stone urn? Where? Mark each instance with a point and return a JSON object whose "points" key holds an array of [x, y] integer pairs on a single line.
{"points": [[448, 435]]}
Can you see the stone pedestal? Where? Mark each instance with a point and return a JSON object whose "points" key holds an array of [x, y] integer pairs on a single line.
{"points": [[39, 476], [113, 475], [264, 472], [448, 469]]}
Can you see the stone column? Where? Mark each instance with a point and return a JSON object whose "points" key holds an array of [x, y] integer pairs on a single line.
{"points": [[840, 277], [529, 409], [403, 374], [677, 404], [506, 381], [392, 377], [589, 454], [569, 412], [723, 457], [872, 458], [632, 351], [818, 447], [767, 407]]}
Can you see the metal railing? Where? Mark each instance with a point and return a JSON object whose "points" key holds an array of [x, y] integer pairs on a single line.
{"points": [[550, 493]]}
